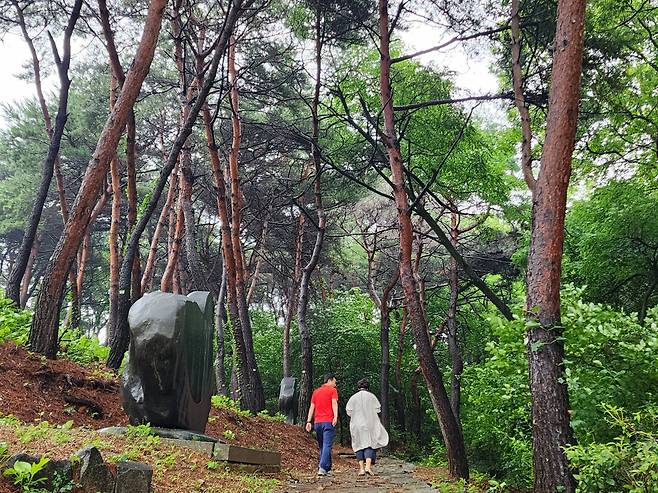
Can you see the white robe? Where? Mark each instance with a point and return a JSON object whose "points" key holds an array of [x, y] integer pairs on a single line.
{"points": [[365, 427]]}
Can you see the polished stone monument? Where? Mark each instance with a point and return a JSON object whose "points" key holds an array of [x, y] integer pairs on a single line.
{"points": [[288, 399], [168, 378]]}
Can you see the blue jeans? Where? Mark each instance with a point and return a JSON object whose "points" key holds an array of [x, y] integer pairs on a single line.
{"points": [[325, 433], [366, 453]]}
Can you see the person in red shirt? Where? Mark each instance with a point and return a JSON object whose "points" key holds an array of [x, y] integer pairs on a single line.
{"points": [[324, 408]]}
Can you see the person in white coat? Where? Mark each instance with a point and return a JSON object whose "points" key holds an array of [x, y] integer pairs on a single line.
{"points": [[368, 433]]}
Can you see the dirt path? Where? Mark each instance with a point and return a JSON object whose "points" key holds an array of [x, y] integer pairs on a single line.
{"points": [[393, 476]]}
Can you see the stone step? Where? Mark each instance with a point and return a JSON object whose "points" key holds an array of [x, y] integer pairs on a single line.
{"points": [[243, 455]]}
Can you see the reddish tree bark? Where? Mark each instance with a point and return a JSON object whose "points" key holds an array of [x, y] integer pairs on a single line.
{"points": [[240, 366], [452, 436], [236, 206], [115, 224], [550, 402], [131, 192], [43, 334], [149, 267], [168, 277]]}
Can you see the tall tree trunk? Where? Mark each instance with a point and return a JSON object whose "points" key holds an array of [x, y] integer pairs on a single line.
{"points": [[220, 322], [120, 342], [83, 252], [168, 276], [43, 334], [131, 156], [457, 364], [240, 368], [13, 290], [186, 90], [236, 206], [550, 401], [399, 394], [115, 224], [306, 383], [384, 332], [260, 254], [25, 283], [519, 98], [149, 267], [416, 414], [293, 297], [452, 436], [131, 192], [240, 383], [59, 179]]}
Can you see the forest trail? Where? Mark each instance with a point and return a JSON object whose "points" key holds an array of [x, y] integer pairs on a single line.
{"points": [[392, 476]]}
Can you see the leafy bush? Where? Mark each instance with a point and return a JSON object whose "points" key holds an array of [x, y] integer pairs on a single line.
{"points": [[496, 406], [610, 358], [628, 463], [15, 327], [14, 323], [223, 402], [276, 417], [83, 350]]}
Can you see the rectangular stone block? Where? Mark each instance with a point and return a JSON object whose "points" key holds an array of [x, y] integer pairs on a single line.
{"points": [[243, 455], [253, 468], [203, 447]]}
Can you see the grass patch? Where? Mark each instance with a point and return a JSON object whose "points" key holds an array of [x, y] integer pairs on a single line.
{"points": [[174, 469]]}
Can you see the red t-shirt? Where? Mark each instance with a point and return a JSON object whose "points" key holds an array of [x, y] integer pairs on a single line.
{"points": [[322, 397]]}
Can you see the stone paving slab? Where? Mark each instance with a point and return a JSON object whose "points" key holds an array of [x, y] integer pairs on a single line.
{"points": [[392, 476]]}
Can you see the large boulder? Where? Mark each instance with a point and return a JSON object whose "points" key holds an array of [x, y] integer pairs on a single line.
{"points": [[168, 378]]}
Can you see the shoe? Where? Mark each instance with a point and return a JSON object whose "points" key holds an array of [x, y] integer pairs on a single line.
{"points": [[322, 472], [361, 473]]}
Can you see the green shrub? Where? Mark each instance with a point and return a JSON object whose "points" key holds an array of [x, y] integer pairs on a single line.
{"points": [[82, 349], [496, 407], [628, 463], [15, 327], [14, 323], [610, 358], [223, 402]]}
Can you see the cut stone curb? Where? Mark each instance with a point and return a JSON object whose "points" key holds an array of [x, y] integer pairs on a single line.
{"points": [[218, 449]]}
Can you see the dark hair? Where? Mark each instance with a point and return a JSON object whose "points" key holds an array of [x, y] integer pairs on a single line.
{"points": [[363, 384], [327, 377]]}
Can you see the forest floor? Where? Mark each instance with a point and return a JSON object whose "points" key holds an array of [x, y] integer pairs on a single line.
{"points": [[54, 407]]}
